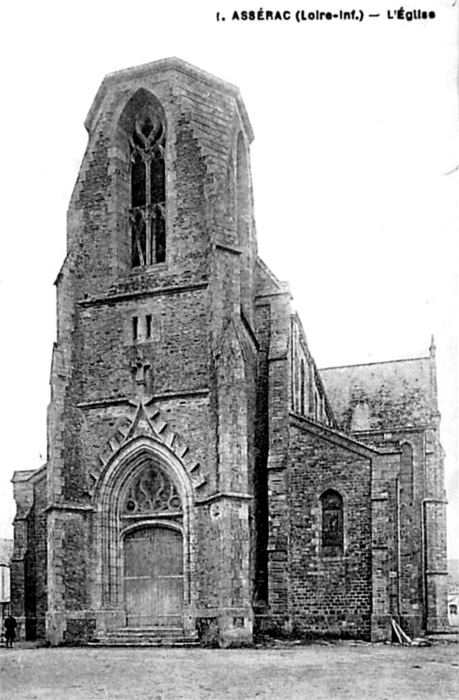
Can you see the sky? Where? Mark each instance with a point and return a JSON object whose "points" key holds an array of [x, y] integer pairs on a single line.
{"points": [[354, 166]]}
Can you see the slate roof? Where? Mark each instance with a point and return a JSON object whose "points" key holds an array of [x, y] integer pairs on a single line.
{"points": [[382, 395], [6, 550]]}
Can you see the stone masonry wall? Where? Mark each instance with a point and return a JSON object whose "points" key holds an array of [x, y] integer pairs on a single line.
{"points": [[420, 541], [29, 561], [261, 451], [40, 551], [176, 350], [328, 594], [200, 136]]}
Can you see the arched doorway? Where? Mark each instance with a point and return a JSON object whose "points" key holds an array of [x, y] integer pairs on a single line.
{"points": [[145, 502], [152, 544], [153, 576]]}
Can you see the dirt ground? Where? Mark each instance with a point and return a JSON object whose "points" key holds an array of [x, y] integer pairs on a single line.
{"points": [[313, 672]]}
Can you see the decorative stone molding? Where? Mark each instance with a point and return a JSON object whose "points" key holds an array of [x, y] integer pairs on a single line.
{"points": [[146, 421]]}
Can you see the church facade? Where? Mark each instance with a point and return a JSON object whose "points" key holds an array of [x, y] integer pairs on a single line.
{"points": [[204, 478]]}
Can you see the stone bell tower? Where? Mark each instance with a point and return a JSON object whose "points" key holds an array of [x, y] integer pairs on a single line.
{"points": [[152, 417]]}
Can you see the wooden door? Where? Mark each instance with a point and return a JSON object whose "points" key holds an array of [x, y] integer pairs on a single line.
{"points": [[153, 577]]}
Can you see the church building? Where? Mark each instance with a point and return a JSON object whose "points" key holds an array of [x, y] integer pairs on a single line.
{"points": [[205, 481]]}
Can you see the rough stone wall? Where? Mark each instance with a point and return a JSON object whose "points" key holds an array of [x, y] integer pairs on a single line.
{"points": [[413, 526], [201, 120], [40, 551], [436, 571], [393, 407], [76, 564], [250, 350], [385, 544], [261, 454], [29, 561], [434, 526], [404, 486], [328, 594], [273, 307], [176, 347], [177, 361], [224, 583]]}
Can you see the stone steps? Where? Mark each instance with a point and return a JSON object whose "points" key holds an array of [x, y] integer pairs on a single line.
{"points": [[146, 637]]}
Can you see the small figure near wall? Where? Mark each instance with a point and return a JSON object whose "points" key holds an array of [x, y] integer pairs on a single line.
{"points": [[10, 625]]}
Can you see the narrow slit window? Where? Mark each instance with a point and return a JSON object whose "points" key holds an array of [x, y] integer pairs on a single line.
{"points": [[148, 326], [135, 328]]}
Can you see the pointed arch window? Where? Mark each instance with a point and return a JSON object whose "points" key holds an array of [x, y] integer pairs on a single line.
{"points": [[148, 189], [302, 387], [407, 470], [332, 523]]}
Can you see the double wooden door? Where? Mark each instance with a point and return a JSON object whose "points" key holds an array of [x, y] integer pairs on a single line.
{"points": [[153, 577]]}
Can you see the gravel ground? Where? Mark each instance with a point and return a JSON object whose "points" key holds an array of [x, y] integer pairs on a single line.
{"points": [[313, 672]]}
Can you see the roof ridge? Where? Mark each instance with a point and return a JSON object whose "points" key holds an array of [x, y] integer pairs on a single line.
{"points": [[382, 362]]}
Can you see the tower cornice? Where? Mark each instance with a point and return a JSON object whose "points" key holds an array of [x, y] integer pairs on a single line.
{"points": [[155, 69]]}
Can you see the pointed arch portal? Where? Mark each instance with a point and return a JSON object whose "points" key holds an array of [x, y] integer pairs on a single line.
{"points": [[144, 500]]}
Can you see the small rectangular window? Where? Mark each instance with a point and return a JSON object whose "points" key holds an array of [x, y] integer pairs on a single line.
{"points": [[135, 327], [148, 325]]}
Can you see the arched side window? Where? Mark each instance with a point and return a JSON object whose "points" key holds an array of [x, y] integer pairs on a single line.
{"points": [[332, 523], [148, 189], [302, 387], [406, 470]]}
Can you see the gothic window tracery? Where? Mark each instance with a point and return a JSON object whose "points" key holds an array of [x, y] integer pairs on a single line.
{"points": [[151, 492], [148, 189], [332, 522]]}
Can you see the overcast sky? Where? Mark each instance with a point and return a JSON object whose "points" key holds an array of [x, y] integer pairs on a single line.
{"points": [[354, 172]]}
